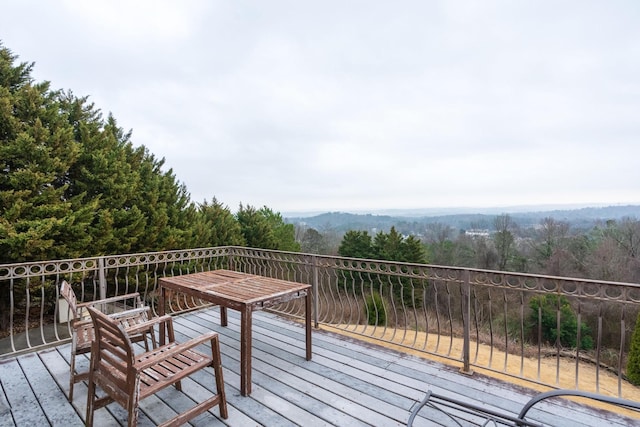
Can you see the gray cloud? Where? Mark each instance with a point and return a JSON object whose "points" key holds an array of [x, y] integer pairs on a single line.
{"points": [[359, 105]]}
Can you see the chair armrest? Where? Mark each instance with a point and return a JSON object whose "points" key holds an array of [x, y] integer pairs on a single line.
{"points": [[82, 324], [163, 353], [108, 300]]}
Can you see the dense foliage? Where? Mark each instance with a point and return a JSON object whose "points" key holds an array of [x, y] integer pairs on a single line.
{"points": [[72, 184], [391, 246], [609, 249], [558, 330], [375, 310]]}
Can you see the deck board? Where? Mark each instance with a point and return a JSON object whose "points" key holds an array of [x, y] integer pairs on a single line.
{"points": [[46, 392], [348, 383], [271, 370], [6, 418], [418, 374], [20, 395], [276, 387]]}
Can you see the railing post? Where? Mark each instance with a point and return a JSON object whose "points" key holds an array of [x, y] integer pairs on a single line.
{"points": [[466, 322], [232, 253], [102, 278], [314, 289]]}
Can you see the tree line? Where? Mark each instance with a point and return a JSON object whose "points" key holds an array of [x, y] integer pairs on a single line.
{"points": [[609, 250]]}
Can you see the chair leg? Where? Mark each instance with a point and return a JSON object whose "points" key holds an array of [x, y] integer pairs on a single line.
{"points": [[72, 374], [146, 342], [91, 398], [132, 407], [217, 369], [153, 339], [152, 335]]}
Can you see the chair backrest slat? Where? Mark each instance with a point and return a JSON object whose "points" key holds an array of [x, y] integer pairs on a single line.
{"points": [[113, 343], [70, 297], [133, 316]]}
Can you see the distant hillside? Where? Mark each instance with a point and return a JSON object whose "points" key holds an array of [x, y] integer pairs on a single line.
{"points": [[579, 218]]}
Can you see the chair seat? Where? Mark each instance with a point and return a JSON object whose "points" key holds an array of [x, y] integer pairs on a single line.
{"points": [[164, 365]]}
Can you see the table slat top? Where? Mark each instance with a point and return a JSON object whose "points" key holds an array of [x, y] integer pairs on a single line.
{"points": [[232, 285]]}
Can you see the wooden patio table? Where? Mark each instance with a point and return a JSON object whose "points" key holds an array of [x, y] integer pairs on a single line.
{"points": [[243, 292]]}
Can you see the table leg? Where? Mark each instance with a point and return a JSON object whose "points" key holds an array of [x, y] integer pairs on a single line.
{"points": [[245, 351], [223, 316], [307, 301], [161, 312]]}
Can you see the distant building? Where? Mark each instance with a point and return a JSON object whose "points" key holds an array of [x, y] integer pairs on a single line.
{"points": [[474, 232]]}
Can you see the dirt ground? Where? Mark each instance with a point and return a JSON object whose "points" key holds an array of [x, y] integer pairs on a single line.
{"points": [[549, 373]]}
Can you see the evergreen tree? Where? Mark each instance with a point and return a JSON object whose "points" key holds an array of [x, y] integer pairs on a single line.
{"points": [[38, 220], [73, 184], [283, 233], [217, 226], [255, 228], [388, 246], [393, 246], [356, 244], [413, 251]]}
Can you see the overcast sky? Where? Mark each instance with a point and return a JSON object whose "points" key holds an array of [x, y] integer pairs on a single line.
{"points": [[359, 105]]}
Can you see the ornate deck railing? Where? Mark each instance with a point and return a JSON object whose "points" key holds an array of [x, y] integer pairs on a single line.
{"points": [[554, 331]]}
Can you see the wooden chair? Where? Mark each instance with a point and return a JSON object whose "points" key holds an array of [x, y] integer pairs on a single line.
{"points": [[128, 309], [128, 378]]}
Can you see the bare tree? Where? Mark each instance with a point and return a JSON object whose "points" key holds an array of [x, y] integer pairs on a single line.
{"points": [[550, 247], [616, 255], [504, 240]]}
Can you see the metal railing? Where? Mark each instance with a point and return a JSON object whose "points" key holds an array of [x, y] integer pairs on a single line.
{"points": [[554, 331]]}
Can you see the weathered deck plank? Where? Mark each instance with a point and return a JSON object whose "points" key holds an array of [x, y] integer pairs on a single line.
{"points": [[6, 419], [47, 393], [418, 375], [347, 383], [407, 378], [271, 371], [25, 408]]}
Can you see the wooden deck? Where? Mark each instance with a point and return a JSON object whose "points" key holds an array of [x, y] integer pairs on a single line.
{"points": [[348, 383]]}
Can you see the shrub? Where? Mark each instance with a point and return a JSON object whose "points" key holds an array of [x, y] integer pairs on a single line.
{"points": [[509, 323], [633, 361], [375, 312], [567, 332]]}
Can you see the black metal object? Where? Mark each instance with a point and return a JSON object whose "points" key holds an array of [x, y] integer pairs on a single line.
{"points": [[448, 405]]}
